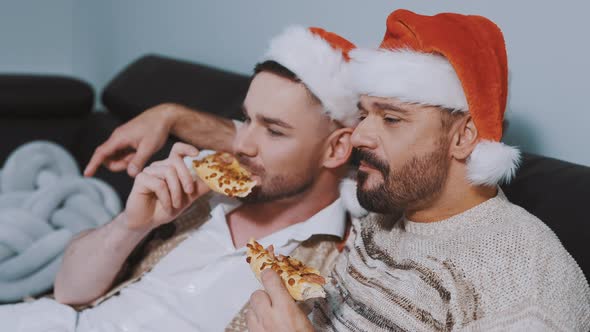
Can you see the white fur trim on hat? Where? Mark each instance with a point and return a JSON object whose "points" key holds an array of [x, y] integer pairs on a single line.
{"points": [[349, 198], [410, 76], [320, 67], [492, 163]]}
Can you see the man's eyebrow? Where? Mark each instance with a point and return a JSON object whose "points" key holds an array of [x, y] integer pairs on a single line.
{"points": [[268, 121], [389, 107], [381, 107], [360, 106]]}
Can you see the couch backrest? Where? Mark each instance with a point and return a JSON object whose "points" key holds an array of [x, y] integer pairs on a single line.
{"points": [[558, 193], [42, 107], [32, 95], [153, 79]]}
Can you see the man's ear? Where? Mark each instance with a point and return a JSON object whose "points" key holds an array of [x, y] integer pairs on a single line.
{"points": [[464, 138], [338, 148]]}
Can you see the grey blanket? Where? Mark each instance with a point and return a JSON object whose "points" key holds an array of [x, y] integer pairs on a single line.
{"points": [[44, 202]]}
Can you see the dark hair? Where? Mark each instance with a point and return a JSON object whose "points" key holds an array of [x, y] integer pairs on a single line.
{"points": [[282, 71], [277, 69]]}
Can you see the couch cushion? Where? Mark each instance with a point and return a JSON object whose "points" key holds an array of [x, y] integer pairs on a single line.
{"points": [[558, 193], [152, 80], [44, 95], [16, 131]]}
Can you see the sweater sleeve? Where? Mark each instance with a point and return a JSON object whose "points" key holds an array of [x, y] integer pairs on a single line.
{"points": [[559, 288], [552, 293]]}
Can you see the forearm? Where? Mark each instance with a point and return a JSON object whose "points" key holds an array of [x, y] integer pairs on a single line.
{"points": [[203, 130], [92, 261]]}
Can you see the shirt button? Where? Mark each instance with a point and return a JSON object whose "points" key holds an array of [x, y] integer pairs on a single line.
{"points": [[191, 288]]}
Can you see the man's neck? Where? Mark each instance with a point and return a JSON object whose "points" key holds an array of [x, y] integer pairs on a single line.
{"points": [[455, 198], [261, 219]]}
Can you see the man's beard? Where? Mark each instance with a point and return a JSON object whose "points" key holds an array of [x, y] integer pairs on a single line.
{"points": [[276, 187], [412, 186]]}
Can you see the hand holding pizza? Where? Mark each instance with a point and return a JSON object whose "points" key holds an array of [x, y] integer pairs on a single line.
{"points": [[302, 282], [163, 190], [274, 309], [222, 172]]}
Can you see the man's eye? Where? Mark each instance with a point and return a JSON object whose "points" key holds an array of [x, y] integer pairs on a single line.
{"points": [[390, 120], [247, 119], [362, 117], [274, 133]]}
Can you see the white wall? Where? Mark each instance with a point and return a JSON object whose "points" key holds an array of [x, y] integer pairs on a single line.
{"points": [[546, 44]]}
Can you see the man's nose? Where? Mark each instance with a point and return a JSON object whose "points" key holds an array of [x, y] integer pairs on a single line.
{"points": [[245, 142], [365, 134]]}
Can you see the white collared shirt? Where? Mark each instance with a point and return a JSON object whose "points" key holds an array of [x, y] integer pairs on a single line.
{"points": [[205, 281]]}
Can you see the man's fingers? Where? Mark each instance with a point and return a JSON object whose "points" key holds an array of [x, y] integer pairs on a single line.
{"points": [[183, 173], [144, 151], [201, 188], [254, 325], [92, 165], [157, 186], [183, 149], [113, 149], [168, 174], [116, 165], [101, 153], [273, 284], [260, 304], [178, 152], [120, 164], [174, 186]]}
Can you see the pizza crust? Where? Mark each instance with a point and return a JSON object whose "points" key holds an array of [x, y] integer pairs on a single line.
{"points": [[302, 282], [222, 173]]}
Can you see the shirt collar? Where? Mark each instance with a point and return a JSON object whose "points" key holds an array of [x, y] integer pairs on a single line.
{"points": [[331, 220]]}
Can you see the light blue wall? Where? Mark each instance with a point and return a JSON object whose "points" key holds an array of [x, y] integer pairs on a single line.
{"points": [[36, 36], [90, 41], [546, 43]]}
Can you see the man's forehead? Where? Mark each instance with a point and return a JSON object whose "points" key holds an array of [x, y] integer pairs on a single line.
{"points": [[287, 116], [282, 105]]}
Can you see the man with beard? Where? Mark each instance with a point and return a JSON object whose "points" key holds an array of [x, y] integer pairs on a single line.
{"points": [[461, 256], [296, 143]]}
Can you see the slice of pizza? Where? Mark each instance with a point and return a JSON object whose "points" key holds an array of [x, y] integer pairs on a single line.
{"points": [[222, 172], [302, 282]]}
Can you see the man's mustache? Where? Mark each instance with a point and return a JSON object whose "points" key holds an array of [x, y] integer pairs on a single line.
{"points": [[249, 165], [370, 159]]}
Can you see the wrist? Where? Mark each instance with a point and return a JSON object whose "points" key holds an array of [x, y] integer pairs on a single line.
{"points": [[172, 116], [127, 229]]}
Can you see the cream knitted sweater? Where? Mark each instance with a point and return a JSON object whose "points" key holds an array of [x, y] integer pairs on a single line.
{"points": [[494, 267]]}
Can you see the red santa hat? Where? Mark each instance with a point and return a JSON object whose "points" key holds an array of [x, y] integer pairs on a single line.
{"points": [[319, 59], [449, 60]]}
